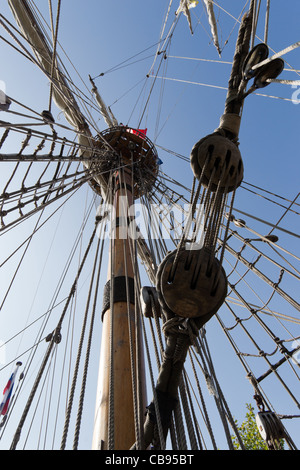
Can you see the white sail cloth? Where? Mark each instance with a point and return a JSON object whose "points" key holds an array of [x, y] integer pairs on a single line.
{"points": [[107, 114], [186, 5], [65, 100], [62, 95], [213, 23]]}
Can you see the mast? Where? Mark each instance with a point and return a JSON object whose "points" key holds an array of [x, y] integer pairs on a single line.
{"points": [[115, 415], [121, 392]]}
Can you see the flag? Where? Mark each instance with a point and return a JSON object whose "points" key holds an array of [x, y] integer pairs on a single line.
{"points": [[7, 392], [139, 132]]}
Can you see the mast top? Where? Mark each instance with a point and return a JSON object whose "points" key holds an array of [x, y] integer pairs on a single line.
{"points": [[123, 146]]}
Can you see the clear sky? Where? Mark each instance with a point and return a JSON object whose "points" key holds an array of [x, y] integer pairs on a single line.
{"points": [[115, 43]]}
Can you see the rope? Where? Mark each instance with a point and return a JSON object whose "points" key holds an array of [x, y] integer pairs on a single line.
{"points": [[188, 419], [284, 82], [111, 409], [206, 415], [267, 22], [290, 48], [218, 395], [233, 103], [79, 351], [267, 223], [39, 336], [286, 296], [272, 335], [247, 242], [47, 203], [88, 350], [135, 368], [180, 428], [254, 309], [33, 232], [53, 341], [224, 88], [178, 337], [148, 427], [161, 248], [193, 414]]}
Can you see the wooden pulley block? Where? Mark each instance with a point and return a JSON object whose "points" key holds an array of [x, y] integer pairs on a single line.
{"points": [[146, 293], [47, 116], [196, 288], [218, 162], [271, 238], [259, 53], [267, 72], [269, 425]]}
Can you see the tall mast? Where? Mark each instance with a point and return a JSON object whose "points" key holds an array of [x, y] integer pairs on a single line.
{"points": [[115, 415], [121, 392]]}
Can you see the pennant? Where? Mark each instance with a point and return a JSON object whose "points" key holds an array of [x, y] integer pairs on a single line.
{"points": [[7, 392]]}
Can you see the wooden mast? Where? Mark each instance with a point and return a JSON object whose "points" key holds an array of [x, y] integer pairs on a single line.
{"points": [[116, 360]]}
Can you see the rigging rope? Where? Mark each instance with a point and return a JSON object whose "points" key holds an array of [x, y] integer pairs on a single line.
{"points": [[55, 339], [88, 351], [161, 248], [79, 352], [290, 48]]}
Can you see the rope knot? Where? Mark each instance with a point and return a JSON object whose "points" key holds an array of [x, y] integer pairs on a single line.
{"points": [[181, 327]]}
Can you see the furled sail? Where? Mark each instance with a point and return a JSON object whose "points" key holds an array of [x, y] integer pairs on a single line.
{"points": [[62, 94], [107, 114], [213, 23], [65, 100], [184, 7]]}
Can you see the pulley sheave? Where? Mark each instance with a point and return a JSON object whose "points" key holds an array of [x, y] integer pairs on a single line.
{"points": [[217, 161], [194, 287], [269, 71], [259, 53]]}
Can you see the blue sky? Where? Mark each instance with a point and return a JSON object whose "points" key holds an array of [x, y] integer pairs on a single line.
{"points": [[118, 40]]}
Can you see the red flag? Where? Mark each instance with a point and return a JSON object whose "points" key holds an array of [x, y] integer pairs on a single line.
{"points": [[139, 132]]}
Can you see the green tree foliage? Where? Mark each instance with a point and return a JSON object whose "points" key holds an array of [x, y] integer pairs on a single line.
{"points": [[249, 433]]}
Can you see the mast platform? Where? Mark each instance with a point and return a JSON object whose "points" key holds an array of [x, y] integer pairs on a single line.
{"points": [[134, 149]]}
